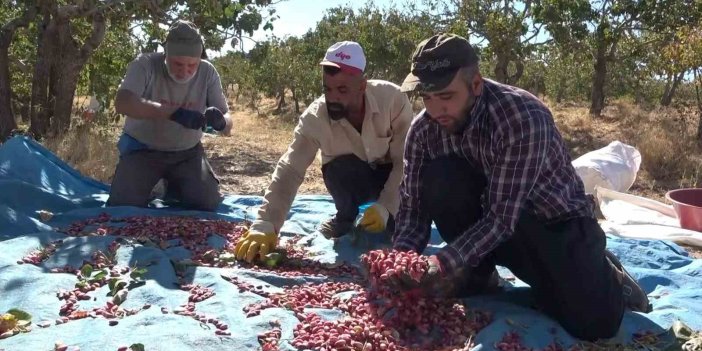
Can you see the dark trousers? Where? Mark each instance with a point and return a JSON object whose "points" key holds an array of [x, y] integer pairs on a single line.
{"points": [[564, 262], [352, 182], [190, 177]]}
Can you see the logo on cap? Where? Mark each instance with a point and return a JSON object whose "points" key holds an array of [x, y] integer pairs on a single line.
{"points": [[346, 55], [343, 56], [432, 65], [436, 61]]}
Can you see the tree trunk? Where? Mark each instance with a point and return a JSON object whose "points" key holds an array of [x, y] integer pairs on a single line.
{"points": [[501, 68], [699, 104], [67, 66], [7, 33], [40, 109], [7, 117], [281, 102], [597, 97], [519, 65], [671, 88], [253, 100], [20, 106], [561, 89], [668, 82], [62, 83], [64, 89], [297, 101]]}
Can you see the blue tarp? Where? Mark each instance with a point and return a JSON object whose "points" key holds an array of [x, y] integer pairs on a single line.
{"points": [[33, 179]]}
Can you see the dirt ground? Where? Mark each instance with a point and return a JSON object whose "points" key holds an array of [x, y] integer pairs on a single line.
{"points": [[244, 162]]}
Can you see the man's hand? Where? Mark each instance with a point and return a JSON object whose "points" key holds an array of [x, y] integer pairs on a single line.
{"points": [[374, 219], [215, 119], [189, 119], [255, 243], [433, 283]]}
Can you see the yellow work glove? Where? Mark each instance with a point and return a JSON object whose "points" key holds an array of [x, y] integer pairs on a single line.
{"points": [[374, 219], [256, 243]]}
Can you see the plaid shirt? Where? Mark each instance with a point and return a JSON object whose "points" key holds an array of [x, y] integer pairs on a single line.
{"points": [[512, 138]]}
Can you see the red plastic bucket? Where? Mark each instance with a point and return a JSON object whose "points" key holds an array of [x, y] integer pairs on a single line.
{"points": [[688, 206]]}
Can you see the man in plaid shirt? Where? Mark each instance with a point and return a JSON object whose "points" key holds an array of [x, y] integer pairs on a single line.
{"points": [[485, 162]]}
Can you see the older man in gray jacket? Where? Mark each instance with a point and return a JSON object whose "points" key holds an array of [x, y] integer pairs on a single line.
{"points": [[169, 99]]}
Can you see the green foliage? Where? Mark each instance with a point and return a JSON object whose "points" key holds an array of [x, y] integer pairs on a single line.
{"points": [[131, 26], [643, 43], [388, 37], [20, 315], [105, 69]]}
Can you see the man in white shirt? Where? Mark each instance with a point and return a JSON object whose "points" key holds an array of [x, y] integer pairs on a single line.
{"points": [[360, 127]]}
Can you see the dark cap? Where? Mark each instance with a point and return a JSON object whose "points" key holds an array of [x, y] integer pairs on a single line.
{"points": [[183, 39], [436, 61]]}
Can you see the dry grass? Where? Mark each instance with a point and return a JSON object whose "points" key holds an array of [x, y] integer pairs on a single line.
{"points": [[671, 157], [91, 149], [245, 161]]}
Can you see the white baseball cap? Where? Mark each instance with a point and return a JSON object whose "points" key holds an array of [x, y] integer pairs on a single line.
{"points": [[346, 55]]}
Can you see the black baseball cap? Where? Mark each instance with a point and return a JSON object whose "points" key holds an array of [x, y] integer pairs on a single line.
{"points": [[436, 61]]}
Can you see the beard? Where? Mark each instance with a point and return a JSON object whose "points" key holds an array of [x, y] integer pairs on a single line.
{"points": [[179, 81], [337, 111], [459, 123]]}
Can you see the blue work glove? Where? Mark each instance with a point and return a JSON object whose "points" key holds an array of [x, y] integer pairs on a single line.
{"points": [[215, 119], [189, 119]]}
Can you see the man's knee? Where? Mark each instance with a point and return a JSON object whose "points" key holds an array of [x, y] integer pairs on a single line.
{"points": [[126, 193], [124, 196], [135, 176], [205, 197], [590, 312], [599, 323], [348, 175], [341, 167]]}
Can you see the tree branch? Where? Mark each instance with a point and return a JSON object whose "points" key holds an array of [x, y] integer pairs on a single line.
{"points": [[157, 13], [96, 37], [547, 41], [8, 30], [647, 42], [481, 40], [604, 7], [88, 9], [538, 30], [527, 7], [249, 38], [622, 26], [613, 49], [24, 67], [227, 35]]}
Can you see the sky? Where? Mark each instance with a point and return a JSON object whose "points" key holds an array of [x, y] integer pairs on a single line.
{"points": [[298, 16]]}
